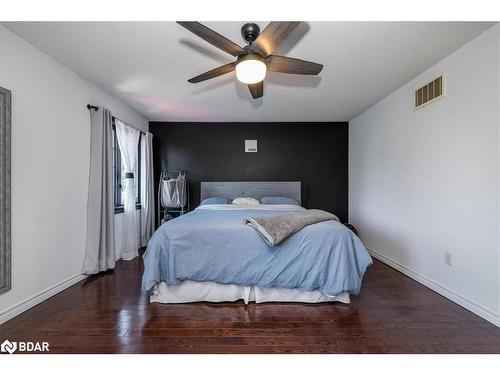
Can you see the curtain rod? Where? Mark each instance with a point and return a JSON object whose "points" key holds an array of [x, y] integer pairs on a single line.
{"points": [[89, 107]]}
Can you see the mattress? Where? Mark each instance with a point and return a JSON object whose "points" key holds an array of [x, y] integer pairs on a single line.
{"points": [[213, 244], [209, 291]]}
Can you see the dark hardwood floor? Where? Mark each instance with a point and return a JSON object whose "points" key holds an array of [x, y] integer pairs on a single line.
{"points": [[393, 314]]}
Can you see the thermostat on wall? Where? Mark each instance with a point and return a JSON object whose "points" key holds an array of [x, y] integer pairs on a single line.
{"points": [[250, 145]]}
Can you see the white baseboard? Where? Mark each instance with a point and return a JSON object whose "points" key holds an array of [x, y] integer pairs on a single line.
{"points": [[462, 301], [28, 303]]}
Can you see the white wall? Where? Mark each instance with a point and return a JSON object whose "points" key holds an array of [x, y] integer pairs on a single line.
{"points": [[427, 181], [50, 167]]}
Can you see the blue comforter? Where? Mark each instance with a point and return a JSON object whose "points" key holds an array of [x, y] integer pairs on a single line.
{"points": [[215, 245]]}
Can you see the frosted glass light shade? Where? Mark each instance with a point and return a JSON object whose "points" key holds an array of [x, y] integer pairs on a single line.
{"points": [[250, 71]]}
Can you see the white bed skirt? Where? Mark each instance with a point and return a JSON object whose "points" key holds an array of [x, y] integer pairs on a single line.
{"points": [[208, 291]]}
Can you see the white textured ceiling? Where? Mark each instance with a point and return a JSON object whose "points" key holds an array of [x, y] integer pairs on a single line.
{"points": [[147, 65]]}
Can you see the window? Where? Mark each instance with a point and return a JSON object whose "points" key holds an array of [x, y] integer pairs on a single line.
{"points": [[119, 185]]}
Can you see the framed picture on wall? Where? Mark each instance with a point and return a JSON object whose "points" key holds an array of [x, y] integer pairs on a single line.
{"points": [[5, 245]]}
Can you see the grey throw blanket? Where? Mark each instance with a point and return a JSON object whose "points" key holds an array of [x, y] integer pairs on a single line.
{"points": [[275, 229]]}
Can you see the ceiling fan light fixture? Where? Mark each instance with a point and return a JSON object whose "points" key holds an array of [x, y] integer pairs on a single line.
{"points": [[254, 59], [250, 69]]}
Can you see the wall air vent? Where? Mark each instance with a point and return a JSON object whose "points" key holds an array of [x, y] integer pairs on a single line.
{"points": [[429, 93]]}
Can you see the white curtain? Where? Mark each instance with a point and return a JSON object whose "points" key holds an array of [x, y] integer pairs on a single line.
{"points": [[100, 236], [128, 141], [147, 194]]}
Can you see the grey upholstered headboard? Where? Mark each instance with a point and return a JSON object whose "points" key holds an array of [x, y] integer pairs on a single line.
{"points": [[254, 189]]}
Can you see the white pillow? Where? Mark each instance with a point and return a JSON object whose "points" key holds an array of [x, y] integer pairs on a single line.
{"points": [[245, 200]]}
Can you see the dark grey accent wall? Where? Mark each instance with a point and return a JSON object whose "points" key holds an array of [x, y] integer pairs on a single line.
{"points": [[313, 153]]}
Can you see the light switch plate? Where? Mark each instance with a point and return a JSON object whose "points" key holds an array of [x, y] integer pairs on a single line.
{"points": [[250, 145]]}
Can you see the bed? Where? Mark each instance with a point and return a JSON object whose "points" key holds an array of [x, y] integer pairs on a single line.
{"points": [[209, 254]]}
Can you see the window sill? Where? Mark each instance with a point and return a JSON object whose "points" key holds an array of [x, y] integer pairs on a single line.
{"points": [[121, 209]]}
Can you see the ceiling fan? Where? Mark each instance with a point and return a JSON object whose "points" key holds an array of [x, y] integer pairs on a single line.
{"points": [[255, 59]]}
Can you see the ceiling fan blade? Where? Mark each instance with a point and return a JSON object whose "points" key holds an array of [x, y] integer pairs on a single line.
{"points": [[272, 36], [290, 65], [221, 70], [213, 38], [257, 89]]}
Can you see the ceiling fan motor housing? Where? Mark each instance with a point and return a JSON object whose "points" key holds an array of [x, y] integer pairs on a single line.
{"points": [[250, 56], [250, 32]]}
